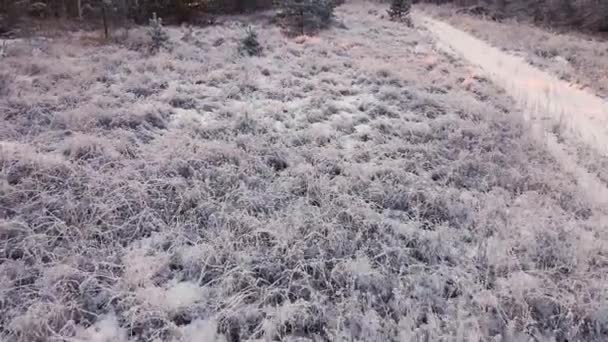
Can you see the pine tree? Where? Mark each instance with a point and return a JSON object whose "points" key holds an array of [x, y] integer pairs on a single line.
{"points": [[250, 44], [158, 35], [400, 9], [305, 16]]}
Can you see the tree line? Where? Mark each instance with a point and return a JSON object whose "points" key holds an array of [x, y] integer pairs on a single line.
{"points": [[584, 14], [137, 11], [304, 13]]}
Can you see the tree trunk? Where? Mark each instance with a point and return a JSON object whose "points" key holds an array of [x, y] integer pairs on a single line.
{"points": [[79, 8], [241, 6], [302, 20], [62, 10], [105, 22]]}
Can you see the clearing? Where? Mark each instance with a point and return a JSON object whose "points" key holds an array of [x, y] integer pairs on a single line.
{"points": [[358, 185]]}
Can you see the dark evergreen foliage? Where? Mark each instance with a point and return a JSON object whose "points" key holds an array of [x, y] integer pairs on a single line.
{"points": [[399, 9], [307, 16]]}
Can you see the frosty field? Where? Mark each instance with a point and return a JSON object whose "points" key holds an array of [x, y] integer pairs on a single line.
{"points": [[358, 185]]}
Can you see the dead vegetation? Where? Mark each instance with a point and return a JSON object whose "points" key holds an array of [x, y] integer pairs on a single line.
{"points": [[358, 185]]}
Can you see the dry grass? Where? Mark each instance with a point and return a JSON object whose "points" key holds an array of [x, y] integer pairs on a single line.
{"points": [[358, 185], [573, 57]]}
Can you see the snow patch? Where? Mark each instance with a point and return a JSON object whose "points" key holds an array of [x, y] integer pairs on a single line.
{"points": [[106, 329], [175, 297], [200, 331]]}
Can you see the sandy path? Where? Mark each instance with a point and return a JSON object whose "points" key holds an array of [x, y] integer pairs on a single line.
{"points": [[550, 105], [545, 97]]}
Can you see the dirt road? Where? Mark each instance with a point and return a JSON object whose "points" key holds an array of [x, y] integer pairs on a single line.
{"points": [[557, 111]]}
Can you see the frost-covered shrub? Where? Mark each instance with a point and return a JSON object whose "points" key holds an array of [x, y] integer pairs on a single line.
{"points": [[4, 84]]}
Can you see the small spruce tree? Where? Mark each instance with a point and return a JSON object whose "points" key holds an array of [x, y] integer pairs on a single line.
{"points": [[250, 44], [400, 10], [158, 35]]}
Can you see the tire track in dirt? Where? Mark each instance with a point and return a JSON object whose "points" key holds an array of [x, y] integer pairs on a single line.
{"points": [[556, 111]]}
